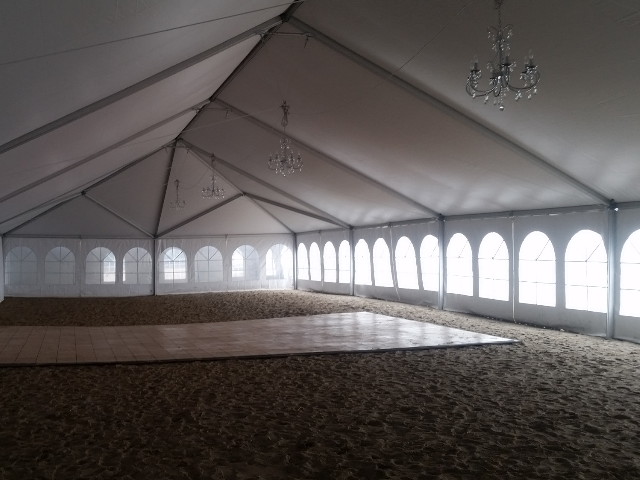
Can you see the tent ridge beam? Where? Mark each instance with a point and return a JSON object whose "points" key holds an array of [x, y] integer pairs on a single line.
{"points": [[94, 155], [449, 110], [201, 214], [141, 85], [198, 155], [335, 162], [264, 184], [104, 207], [292, 209]]}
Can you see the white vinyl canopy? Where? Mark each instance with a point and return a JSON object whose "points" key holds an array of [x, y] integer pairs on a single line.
{"points": [[106, 104]]}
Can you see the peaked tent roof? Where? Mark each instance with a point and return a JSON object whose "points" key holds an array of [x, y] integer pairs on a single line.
{"points": [[378, 111]]}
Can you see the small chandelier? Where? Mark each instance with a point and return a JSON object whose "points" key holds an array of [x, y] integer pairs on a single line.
{"points": [[178, 204], [213, 191], [501, 68], [284, 161]]}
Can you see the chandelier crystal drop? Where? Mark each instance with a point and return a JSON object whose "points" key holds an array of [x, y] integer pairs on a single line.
{"points": [[213, 191], [178, 204], [501, 68], [284, 161]]}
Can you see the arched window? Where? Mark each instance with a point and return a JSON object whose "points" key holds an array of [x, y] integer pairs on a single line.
{"points": [[586, 272], [430, 263], [344, 263], [303, 263], [362, 263], [279, 262], [21, 267], [101, 266], [173, 266], [245, 263], [136, 267], [208, 263], [382, 264], [406, 266], [315, 264], [60, 267], [330, 264], [537, 271], [493, 268], [459, 266], [630, 276]]}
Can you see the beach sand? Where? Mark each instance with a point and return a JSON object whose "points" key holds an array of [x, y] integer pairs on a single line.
{"points": [[555, 405]]}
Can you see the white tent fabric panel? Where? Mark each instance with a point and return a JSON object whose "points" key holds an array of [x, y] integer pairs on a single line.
{"points": [[247, 146], [238, 217], [2, 288], [227, 246], [118, 121], [79, 217], [586, 128], [193, 176], [89, 173], [296, 222], [57, 84], [17, 220], [626, 327], [336, 237], [138, 192], [77, 282], [347, 112]]}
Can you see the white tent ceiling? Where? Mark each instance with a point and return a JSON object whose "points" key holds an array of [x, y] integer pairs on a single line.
{"points": [[377, 148]]}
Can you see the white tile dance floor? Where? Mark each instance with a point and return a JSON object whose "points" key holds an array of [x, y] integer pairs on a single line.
{"points": [[331, 333]]}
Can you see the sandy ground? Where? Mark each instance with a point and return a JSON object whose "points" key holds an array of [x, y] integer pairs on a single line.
{"points": [[557, 405]]}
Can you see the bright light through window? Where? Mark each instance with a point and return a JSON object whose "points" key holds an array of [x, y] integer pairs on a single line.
{"points": [[173, 266], [630, 276], [329, 258], [315, 264], [537, 271], [279, 262], [100, 266], [382, 264], [21, 267], [493, 268], [344, 256], [136, 267], [245, 263], [60, 267], [459, 266], [586, 272], [208, 263], [363, 263], [303, 263], [430, 263], [406, 266]]}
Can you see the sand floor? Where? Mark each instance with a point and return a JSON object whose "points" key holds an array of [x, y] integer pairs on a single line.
{"points": [[556, 405]]}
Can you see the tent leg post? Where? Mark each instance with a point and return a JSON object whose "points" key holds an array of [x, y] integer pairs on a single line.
{"points": [[612, 277], [352, 263], [443, 265], [295, 261]]}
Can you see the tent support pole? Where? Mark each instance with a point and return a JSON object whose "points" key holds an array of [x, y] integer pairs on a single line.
{"points": [[612, 266], [264, 184], [352, 262], [295, 261], [104, 207], [442, 284], [335, 162], [154, 267], [448, 110]]}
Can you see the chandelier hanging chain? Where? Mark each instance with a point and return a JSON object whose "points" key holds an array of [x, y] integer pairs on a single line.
{"points": [[213, 191], [177, 204], [284, 161], [501, 68]]}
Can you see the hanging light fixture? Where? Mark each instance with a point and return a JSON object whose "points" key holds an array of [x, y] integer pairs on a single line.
{"points": [[284, 161], [501, 68], [178, 204], [213, 191]]}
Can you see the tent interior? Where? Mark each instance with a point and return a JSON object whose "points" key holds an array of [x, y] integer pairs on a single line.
{"points": [[117, 112]]}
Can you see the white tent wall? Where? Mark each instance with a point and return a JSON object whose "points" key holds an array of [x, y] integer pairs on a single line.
{"points": [[1, 274], [628, 222], [321, 238], [77, 285], [192, 283]]}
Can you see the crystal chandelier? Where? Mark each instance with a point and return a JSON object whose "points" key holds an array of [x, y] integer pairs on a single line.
{"points": [[501, 68], [213, 191], [178, 204], [284, 161]]}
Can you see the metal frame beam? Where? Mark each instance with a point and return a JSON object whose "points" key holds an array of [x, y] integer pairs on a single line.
{"points": [[449, 110], [141, 85], [612, 277], [332, 161], [204, 162], [230, 166], [128, 222], [201, 214], [287, 207], [166, 187], [95, 155]]}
